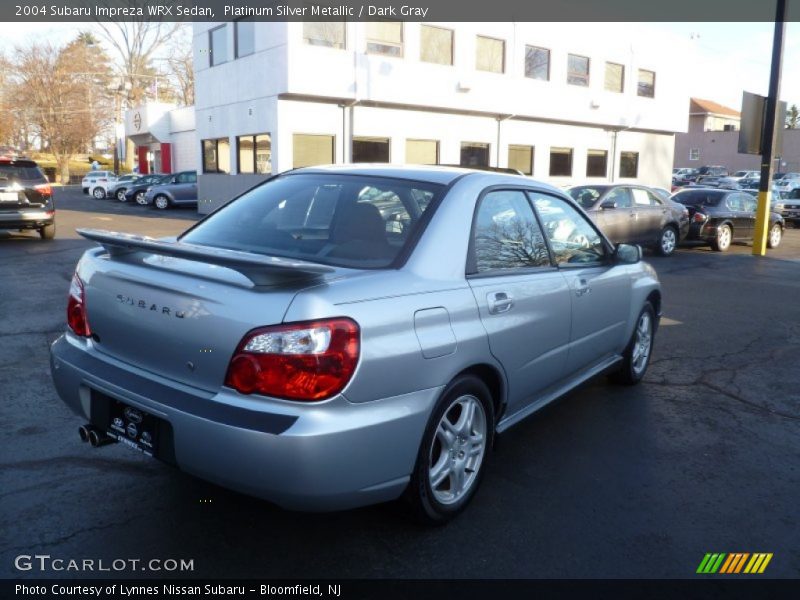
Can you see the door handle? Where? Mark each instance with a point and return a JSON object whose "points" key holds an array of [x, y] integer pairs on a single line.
{"points": [[499, 302], [582, 288]]}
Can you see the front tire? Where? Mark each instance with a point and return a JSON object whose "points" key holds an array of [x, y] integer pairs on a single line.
{"points": [[48, 232], [121, 195], [453, 451], [723, 240], [667, 241], [161, 202], [637, 355], [775, 236], [99, 193]]}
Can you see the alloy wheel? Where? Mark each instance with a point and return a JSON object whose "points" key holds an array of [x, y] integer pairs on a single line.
{"points": [[643, 343], [668, 241], [775, 236], [457, 450], [140, 198]]}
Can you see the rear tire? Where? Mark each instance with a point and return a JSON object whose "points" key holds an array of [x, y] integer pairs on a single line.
{"points": [[99, 193], [48, 232], [775, 236], [636, 357], [723, 240], [667, 241], [140, 198], [161, 202], [453, 453], [121, 195]]}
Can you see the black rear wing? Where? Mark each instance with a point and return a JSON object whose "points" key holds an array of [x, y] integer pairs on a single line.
{"points": [[260, 269]]}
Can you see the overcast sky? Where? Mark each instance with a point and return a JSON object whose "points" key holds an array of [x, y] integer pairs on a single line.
{"points": [[728, 57]]}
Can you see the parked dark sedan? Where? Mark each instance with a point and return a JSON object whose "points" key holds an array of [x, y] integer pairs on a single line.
{"points": [[138, 189], [721, 217], [633, 214]]}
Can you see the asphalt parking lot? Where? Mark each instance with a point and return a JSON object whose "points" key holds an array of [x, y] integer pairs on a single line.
{"points": [[703, 456]]}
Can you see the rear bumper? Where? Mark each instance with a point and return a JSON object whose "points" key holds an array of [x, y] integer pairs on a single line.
{"points": [[321, 456], [26, 219]]}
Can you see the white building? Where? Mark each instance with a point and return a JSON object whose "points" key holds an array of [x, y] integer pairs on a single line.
{"points": [[164, 136], [565, 103]]}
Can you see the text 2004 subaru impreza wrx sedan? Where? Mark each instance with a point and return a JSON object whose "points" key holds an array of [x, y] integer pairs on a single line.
{"points": [[339, 336]]}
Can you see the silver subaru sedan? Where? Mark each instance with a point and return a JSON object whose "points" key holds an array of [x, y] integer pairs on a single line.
{"points": [[341, 336]]}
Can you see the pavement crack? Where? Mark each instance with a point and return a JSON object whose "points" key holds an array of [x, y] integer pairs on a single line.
{"points": [[66, 538]]}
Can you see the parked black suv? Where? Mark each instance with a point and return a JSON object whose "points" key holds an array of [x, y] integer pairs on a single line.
{"points": [[26, 199]]}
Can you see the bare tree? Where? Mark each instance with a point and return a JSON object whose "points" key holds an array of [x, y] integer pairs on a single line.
{"points": [[793, 117], [6, 114], [64, 95], [180, 66]]}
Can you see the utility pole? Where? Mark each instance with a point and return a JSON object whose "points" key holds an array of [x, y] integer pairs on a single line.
{"points": [[768, 139]]}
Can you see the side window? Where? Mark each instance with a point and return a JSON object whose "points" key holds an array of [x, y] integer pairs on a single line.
{"points": [[572, 238], [621, 197], [640, 197], [506, 234], [748, 203], [733, 202], [654, 199]]}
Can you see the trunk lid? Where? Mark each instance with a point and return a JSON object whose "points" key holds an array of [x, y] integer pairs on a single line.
{"points": [[179, 318]]}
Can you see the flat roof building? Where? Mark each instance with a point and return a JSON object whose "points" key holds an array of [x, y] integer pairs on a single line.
{"points": [[564, 103]]}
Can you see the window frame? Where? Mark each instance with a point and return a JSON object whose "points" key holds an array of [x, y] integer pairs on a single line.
{"points": [[621, 89], [236, 53], [549, 62], [571, 161], [605, 161], [216, 154], [526, 147], [368, 40], [452, 45], [307, 42], [639, 83], [332, 137], [436, 142], [619, 172], [211, 62], [253, 137], [588, 70], [696, 151], [369, 138], [502, 70]]}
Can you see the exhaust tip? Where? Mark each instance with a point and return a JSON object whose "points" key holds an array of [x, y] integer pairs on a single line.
{"points": [[83, 431], [98, 438]]}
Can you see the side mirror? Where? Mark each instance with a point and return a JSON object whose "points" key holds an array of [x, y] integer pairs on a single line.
{"points": [[627, 254], [608, 204]]}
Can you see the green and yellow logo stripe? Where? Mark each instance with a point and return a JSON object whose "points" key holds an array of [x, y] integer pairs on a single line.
{"points": [[734, 562]]}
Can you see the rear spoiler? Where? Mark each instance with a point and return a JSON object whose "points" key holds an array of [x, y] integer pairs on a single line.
{"points": [[261, 270]]}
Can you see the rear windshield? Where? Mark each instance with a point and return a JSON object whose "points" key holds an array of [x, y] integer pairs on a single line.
{"points": [[587, 195], [698, 197], [21, 172], [341, 220]]}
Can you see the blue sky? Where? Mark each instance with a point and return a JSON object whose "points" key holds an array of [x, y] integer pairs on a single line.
{"points": [[728, 57]]}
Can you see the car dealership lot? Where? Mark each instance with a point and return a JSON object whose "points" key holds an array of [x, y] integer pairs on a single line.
{"points": [[609, 482]]}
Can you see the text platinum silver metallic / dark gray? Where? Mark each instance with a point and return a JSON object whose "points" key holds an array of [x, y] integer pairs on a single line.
{"points": [[168, 316]]}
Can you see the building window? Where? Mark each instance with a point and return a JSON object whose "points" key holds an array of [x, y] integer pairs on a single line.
{"points": [[244, 35], [537, 63], [615, 78], [436, 45], [647, 84], [490, 54], [578, 70], [217, 156], [596, 163], [629, 164], [694, 153], [328, 34], [385, 37], [370, 150], [218, 45], [422, 152], [729, 127], [255, 153], [560, 162], [521, 158], [311, 150], [474, 154]]}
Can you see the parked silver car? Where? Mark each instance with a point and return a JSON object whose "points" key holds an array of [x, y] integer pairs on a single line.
{"points": [[341, 336]]}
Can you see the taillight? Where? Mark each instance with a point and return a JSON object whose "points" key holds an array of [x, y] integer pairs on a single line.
{"points": [[312, 360], [699, 217], [76, 308], [44, 189]]}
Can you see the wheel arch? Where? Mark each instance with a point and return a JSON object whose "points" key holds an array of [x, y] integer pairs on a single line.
{"points": [[494, 380]]}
